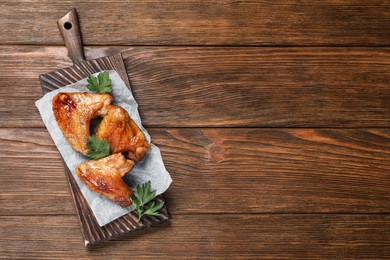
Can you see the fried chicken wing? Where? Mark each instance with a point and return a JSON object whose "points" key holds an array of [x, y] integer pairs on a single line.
{"points": [[104, 176], [123, 134], [74, 111]]}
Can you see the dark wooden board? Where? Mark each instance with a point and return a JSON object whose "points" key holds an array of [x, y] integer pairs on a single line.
{"points": [[206, 236], [222, 170], [235, 87], [91, 230], [183, 22]]}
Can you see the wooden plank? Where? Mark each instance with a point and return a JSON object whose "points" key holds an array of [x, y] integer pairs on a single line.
{"points": [[240, 87], [287, 22], [233, 170], [297, 87], [242, 236]]}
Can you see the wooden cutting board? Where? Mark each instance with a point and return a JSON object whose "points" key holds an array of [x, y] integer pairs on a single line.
{"points": [[92, 232]]}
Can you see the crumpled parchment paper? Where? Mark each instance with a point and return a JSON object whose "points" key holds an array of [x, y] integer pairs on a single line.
{"points": [[151, 168]]}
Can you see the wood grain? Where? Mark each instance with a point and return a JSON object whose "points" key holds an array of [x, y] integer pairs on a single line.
{"points": [[287, 22], [209, 236], [273, 118], [239, 87], [261, 86], [234, 170], [70, 32]]}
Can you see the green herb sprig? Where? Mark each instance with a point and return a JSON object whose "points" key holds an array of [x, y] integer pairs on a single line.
{"points": [[144, 203], [100, 84], [99, 148]]}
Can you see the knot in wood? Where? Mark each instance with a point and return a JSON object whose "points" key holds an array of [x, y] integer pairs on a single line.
{"points": [[216, 153]]}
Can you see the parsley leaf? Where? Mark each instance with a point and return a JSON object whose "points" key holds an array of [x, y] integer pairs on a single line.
{"points": [[144, 203], [101, 83], [100, 148]]}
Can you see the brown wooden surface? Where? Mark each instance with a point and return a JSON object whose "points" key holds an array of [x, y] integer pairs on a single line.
{"points": [[208, 236], [335, 171], [240, 87], [273, 119], [183, 22], [69, 27]]}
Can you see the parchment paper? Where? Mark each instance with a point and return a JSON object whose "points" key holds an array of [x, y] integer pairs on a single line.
{"points": [[151, 168]]}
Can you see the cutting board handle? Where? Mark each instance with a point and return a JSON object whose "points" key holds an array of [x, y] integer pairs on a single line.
{"points": [[70, 31]]}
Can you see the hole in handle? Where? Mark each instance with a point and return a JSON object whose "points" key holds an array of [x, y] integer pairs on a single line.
{"points": [[67, 25]]}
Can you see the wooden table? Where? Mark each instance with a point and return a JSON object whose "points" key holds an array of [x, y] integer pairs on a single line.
{"points": [[272, 116]]}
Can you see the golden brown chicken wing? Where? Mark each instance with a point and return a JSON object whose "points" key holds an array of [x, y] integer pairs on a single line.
{"points": [[123, 134], [104, 176], [74, 111]]}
